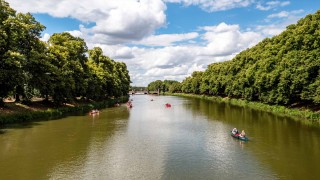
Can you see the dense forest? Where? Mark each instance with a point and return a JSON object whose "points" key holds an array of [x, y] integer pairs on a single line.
{"points": [[280, 70], [61, 69]]}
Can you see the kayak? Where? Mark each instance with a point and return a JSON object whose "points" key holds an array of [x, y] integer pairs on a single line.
{"points": [[240, 138]]}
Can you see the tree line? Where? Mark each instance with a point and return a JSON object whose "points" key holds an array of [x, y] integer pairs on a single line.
{"points": [[281, 70], [62, 68]]}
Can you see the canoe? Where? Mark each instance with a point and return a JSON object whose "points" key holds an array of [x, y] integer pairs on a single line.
{"points": [[240, 138], [94, 112]]}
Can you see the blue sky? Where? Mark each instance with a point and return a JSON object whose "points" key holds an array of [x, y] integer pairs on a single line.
{"points": [[167, 39]]}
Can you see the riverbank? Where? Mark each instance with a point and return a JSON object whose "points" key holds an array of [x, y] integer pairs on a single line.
{"points": [[40, 110], [300, 114]]}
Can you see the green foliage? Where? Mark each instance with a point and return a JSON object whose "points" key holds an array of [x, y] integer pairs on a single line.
{"points": [[171, 86], [192, 84], [138, 88], [155, 86], [59, 69], [169, 83], [18, 33], [175, 87], [281, 70], [106, 77]]}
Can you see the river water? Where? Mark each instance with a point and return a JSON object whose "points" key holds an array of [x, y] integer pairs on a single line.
{"points": [[189, 140]]}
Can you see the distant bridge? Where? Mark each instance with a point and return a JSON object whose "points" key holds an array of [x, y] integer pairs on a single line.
{"points": [[143, 92]]}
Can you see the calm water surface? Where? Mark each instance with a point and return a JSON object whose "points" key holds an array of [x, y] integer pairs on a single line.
{"points": [[190, 140]]}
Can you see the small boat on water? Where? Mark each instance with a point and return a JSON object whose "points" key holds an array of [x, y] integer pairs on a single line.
{"points": [[168, 105], [94, 112], [237, 136], [129, 104]]}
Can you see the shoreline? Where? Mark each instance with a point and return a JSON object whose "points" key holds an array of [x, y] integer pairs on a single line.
{"points": [[303, 115], [38, 112]]}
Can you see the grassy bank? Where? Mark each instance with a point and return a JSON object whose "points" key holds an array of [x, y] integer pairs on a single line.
{"points": [[295, 113], [29, 113]]}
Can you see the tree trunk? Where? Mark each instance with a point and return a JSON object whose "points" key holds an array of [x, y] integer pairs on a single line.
{"points": [[1, 102], [17, 97]]}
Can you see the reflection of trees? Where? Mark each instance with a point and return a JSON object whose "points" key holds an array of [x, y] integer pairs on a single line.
{"points": [[58, 145], [289, 147]]}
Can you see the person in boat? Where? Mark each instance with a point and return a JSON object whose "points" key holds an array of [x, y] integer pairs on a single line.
{"points": [[235, 131], [94, 111], [129, 104], [242, 134]]}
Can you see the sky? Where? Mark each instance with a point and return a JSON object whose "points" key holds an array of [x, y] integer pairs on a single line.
{"points": [[167, 39]]}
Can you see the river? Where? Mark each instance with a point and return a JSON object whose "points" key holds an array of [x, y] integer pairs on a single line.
{"points": [[189, 140]]}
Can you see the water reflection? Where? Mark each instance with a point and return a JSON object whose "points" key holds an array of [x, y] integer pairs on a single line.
{"points": [[288, 147], [190, 140]]}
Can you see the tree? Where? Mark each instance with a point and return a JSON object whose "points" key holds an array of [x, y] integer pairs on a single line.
{"points": [[68, 56], [19, 34], [28, 44], [175, 87], [167, 84], [155, 86]]}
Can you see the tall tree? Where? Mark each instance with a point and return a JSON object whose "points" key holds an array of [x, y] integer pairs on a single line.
{"points": [[19, 39], [68, 55]]}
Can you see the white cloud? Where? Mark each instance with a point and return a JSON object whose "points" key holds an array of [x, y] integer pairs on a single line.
{"points": [[166, 39], [272, 5], [285, 18], [214, 5], [76, 33], [117, 52], [132, 21], [116, 21], [159, 72], [226, 39], [45, 37], [285, 14], [271, 30], [177, 73], [124, 53], [220, 43], [279, 15]]}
